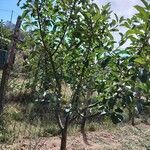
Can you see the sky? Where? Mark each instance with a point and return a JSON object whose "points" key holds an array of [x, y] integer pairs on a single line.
{"points": [[120, 7], [6, 7]]}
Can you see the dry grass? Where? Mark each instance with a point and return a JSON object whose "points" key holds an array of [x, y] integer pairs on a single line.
{"points": [[20, 121], [122, 137], [23, 128]]}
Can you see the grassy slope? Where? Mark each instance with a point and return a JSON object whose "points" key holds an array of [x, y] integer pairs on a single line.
{"points": [[31, 133]]}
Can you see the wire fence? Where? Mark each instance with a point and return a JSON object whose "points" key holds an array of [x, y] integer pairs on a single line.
{"points": [[26, 128]]}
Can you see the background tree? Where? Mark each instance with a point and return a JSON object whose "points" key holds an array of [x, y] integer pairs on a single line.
{"points": [[5, 36]]}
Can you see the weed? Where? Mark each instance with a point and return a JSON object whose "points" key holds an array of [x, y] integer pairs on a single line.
{"points": [[17, 116], [73, 129], [51, 130], [93, 126], [4, 137]]}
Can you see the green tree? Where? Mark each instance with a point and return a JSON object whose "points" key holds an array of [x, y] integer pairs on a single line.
{"points": [[71, 37], [136, 68], [5, 36]]}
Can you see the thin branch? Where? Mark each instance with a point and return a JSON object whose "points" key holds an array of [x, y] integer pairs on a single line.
{"points": [[65, 30], [58, 83]]}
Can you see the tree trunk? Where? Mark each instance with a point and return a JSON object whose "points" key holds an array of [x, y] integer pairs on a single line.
{"points": [[83, 122], [3, 87], [132, 121], [88, 101], [64, 134], [131, 115]]}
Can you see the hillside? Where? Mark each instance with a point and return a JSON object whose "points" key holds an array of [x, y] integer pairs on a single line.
{"points": [[123, 137]]}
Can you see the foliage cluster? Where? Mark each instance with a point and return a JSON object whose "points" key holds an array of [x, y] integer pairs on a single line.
{"points": [[5, 36]]}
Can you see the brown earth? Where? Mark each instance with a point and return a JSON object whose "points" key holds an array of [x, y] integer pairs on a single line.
{"points": [[122, 137]]}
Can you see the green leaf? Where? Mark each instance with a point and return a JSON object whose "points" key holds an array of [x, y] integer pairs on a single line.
{"points": [[96, 17], [25, 12], [121, 19], [116, 17], [113, 23], [18, 2], [142, 11], [122, 42], [95, 6], [121, 34], [134, 31], [126, 24], [145, 3], [140, 61], [114, 30]]}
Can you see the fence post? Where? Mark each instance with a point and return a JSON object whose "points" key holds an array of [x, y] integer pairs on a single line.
{"points": [[9, 63]]}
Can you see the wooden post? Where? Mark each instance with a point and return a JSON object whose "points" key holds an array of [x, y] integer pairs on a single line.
{"points": [[9, 63]]}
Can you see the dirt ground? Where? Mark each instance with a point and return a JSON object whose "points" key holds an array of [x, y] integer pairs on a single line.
{"points": [[122, 137]]}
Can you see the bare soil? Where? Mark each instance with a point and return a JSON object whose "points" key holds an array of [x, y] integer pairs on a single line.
{"points": [[121, 137]]}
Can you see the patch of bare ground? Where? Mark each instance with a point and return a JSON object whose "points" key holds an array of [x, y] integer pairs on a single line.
{"points": [[122, 137]]}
